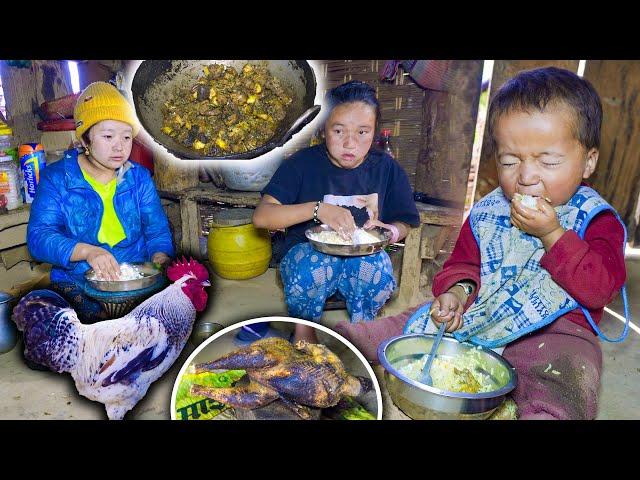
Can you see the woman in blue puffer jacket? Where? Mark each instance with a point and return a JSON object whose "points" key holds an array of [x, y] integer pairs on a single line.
{"points": [[97, 209]]}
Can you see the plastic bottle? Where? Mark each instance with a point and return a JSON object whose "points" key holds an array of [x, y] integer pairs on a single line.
{"points": [[6, 139], [32, 161], [384, 142], [9, 184]]}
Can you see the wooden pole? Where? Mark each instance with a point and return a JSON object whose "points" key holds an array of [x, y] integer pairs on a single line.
{"points": [[449, 121], [617, 175]]}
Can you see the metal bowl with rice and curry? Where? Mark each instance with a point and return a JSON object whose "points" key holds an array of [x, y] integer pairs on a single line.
{"points": [[469, 382]]}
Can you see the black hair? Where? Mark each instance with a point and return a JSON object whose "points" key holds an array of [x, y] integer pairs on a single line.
{"points": [[353, 91], [550, 86]]}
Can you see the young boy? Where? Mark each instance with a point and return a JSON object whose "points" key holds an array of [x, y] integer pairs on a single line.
{"points": [[532, 278]]}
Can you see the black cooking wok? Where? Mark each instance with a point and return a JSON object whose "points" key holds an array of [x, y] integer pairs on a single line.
{"points": [[156, 80]]}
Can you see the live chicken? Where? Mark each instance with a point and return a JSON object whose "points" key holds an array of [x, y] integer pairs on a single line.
{"points": [[114, 361]]}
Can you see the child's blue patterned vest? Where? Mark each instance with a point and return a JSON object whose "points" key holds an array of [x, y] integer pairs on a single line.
{"points": [[517, 295]]}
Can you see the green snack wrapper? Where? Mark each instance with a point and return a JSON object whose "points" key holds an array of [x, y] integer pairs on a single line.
{"points": [[189, 407]]}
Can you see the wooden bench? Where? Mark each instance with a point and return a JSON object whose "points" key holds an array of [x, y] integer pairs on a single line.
{"points": [[189, 213], [422, 243]]}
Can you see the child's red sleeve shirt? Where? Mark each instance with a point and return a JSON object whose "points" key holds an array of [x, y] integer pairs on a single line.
{"points": [[591, 270]]}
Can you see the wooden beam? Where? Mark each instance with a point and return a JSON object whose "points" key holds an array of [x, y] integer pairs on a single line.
{"points": [[90, 71], [617, 175], [411, 266], [433, 239], [190, 228], [12, 256], [438, 215], [235, 198], [504, 70], [15, 217], [13, 236], [448, 123]]}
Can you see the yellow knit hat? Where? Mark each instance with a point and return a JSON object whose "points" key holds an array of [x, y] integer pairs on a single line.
{"points": [[102, 101]]}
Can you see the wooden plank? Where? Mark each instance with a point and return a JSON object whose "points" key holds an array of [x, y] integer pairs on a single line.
{"points": [[190, 228], [171, 174], [176, 196], [504, 70], [232, 197], [435, 139], [433, 239], [432, 218], [12, 236], [90, 71], [448, 124], [411, 266], [39, 277], [617, 175], [437, 215], [12, 256], [17, 216]]}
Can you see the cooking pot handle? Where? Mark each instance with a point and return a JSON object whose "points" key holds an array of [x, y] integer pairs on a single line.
{"points": [[301, 121]]}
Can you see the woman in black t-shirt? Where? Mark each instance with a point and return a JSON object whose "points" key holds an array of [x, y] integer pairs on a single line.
{"points": [[344, 184]]}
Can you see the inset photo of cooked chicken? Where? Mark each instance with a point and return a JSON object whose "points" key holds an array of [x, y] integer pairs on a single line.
{"points": [[259, 371]]}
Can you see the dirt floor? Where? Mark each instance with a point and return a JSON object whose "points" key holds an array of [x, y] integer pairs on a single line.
{"points": [[29, 394]]}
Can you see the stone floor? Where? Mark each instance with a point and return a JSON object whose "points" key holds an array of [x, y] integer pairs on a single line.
{"points": [[29, 394]]}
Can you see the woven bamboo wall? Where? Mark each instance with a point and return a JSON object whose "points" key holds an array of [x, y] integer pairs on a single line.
{"points": [[400, 104]]}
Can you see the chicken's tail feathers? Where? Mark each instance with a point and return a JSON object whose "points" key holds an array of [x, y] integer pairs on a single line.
{"points": [[37, 304], [49, 326]]}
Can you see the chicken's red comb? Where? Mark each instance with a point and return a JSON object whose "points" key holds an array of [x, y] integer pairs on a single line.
{"points": [[179, 268]]}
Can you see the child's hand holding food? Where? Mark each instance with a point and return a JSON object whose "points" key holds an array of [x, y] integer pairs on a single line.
{"points": [[541, 221]]}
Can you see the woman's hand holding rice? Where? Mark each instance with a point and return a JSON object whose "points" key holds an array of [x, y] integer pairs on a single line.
{"points": [[338, 218]]}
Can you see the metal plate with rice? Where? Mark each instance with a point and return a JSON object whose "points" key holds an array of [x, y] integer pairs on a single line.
{"points": [[150, 275], [382, 234]]}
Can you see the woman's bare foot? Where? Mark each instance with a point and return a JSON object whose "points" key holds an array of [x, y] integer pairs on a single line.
{"points": [[305, 332]]}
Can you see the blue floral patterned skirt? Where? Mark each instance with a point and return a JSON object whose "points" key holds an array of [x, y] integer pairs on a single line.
{"points": [[310, 277]]}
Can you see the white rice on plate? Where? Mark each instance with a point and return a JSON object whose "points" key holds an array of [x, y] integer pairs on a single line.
{"points": [[127, 272], [332, 237]]}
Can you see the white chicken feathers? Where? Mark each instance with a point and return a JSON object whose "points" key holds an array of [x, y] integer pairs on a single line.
{"points": [[115, 361]]}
